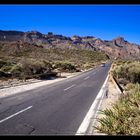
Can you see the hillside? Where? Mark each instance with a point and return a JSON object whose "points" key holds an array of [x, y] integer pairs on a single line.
{"points": [[26, 60], [33, 54]]}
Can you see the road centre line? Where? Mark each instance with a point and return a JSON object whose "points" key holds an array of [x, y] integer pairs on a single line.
{"points": [[86, 78], [11, 116], [69, 87]]}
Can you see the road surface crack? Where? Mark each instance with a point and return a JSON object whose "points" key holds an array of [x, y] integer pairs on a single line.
{"points": [[31, 127]]}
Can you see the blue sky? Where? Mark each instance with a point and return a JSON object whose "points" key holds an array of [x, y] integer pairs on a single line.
{"points": [[102, 21]]}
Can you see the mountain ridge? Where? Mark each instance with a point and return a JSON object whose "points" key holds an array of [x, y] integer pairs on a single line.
{"points": [[115, 48]]}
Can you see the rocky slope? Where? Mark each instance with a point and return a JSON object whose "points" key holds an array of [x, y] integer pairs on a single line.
{"points": [[116, 48]]}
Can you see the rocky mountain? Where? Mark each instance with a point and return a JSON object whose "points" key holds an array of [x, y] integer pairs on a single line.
{"points": [[116, 48]]}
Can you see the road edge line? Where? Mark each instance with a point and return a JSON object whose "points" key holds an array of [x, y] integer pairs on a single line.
{"points": [[86, 122]]}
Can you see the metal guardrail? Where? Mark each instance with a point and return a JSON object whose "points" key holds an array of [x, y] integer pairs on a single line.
{"points": [[118, 87]]}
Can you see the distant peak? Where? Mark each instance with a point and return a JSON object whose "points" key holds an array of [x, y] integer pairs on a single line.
{"points": [[50, 33], [76, 37], [119, 38], [88, 37], [34, 32]]}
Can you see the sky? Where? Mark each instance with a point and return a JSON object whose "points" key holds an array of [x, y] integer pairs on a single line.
{"points": [[102, 21]]}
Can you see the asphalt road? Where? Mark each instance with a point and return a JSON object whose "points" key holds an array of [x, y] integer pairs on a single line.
{"points": [[56, 109]]}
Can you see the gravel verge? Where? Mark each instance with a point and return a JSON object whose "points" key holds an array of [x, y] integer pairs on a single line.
{"points": [[15, 86], [113, 95]]}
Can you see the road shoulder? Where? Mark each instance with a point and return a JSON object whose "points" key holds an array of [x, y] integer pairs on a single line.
{"points": [[113, 95]]}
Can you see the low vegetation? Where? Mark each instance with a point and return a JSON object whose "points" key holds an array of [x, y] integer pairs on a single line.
{"points": [[123, 118], [128, 70], [29, 61]]}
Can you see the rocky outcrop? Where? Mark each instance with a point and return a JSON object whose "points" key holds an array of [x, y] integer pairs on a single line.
{"points": [[119, 41], [123, 49], [11, 35], [116, 48]]}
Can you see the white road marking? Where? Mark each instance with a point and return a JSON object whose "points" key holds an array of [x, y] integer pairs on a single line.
{"points": [[69, 87], [85, 123], [15, 114], [86, 78]]}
